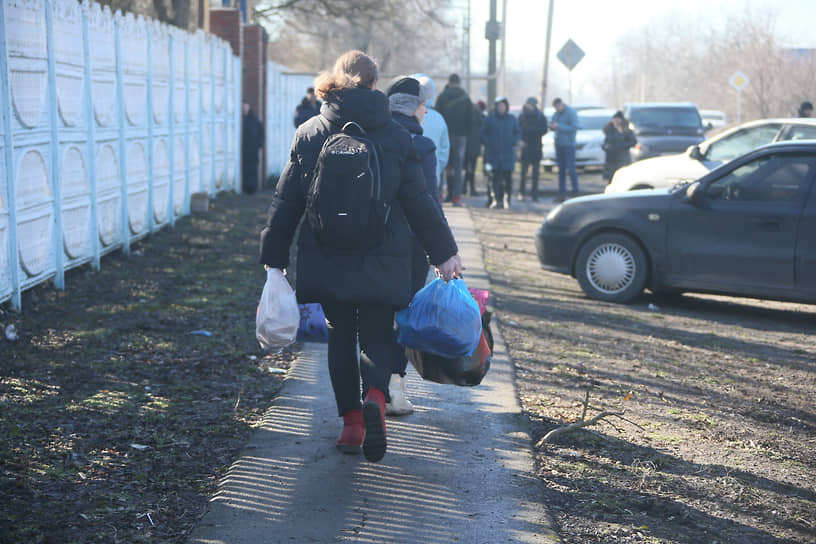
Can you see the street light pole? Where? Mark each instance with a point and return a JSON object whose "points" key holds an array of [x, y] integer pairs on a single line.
{"points": [[492, 34], [546, 56]]}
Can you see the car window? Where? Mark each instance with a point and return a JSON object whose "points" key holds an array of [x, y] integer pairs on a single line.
{"points": [[741, 142], [800, 133], [665, 117], [774, 178], [592, 122]]}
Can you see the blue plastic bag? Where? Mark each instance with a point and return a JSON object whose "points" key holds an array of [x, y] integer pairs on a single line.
{"points": [[312, 324], [443, 319]]}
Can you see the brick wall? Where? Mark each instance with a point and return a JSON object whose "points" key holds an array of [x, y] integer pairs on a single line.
{"points": [[226, 23]]}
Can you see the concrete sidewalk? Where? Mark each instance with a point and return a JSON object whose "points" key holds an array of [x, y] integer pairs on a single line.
{"points": [[459, 469]]}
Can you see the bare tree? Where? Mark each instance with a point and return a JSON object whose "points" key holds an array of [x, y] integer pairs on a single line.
{"points": [[681, 58], [404, 36]]}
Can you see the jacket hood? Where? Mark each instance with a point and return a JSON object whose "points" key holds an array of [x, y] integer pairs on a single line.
{"points": [[408, 123], [428, 88], [369, 108]]}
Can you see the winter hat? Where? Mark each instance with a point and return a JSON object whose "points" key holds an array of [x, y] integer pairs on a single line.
{"points": [[404, 94], [428, 87], [532, 100]]}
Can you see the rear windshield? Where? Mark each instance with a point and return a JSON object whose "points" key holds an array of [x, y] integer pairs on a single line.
{"points": [[592, 122], [665, 117]]}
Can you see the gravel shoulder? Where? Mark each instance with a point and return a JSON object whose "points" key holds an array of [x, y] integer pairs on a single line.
{"points": [[717, 395]]}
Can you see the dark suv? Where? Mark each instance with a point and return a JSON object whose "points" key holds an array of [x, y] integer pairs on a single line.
{"points": [[663, 128]]}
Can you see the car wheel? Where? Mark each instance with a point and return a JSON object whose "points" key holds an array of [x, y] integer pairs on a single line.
{"points": [[611, 267]]}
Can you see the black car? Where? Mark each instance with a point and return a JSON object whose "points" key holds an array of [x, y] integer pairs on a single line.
{"points": [[663, 128], [747, 228]]}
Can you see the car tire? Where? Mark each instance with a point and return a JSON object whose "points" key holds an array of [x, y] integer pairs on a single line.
{"points": [[611, 267]]}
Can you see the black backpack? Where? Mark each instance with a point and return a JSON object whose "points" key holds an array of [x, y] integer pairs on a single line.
{"points": [[344, 204]]}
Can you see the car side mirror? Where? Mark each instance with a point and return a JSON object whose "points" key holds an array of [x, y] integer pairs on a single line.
{"points": [[694, 193], [695, 153]]}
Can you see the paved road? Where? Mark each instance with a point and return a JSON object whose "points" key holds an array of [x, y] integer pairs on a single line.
{"points": [[459, 469]]}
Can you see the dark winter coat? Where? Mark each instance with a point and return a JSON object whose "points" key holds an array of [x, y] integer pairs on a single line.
{"points": [[380, 276], [252, 139], [455, 106], [474, 139], [500, 134], [305, 111], [617, 145], [426, 150], [533, 125]]}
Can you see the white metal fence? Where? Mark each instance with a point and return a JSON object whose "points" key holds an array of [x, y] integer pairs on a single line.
{"points": [[109, 122], [284, 91]]}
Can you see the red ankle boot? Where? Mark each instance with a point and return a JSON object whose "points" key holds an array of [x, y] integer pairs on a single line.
{"points": [[374, 444], [353, 432]]}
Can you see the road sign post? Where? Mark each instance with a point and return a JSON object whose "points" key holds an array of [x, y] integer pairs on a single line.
{"points": [[570, 55], [739, 80]]}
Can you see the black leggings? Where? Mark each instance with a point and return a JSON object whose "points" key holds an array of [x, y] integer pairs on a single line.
{"points": [[373, 326], [534, 168]]}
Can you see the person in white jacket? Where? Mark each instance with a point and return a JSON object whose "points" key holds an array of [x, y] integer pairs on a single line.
{"points": [[434, 127]]}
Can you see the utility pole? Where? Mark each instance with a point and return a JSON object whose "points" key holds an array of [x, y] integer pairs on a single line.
{"points": [[546, 57], [503, 49], [492, 34], [467, 52]]}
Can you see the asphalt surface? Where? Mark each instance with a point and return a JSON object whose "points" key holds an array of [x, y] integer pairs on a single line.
{"points": [[459, 469]]}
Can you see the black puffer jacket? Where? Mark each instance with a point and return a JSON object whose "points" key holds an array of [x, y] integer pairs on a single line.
{"points": [[380, 276]]}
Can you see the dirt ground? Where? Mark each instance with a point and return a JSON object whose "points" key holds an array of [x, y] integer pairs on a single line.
{"points": [[717, 444], [118, 413], [129, 394]]}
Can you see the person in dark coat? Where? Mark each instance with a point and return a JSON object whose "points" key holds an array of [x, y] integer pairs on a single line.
{"points": [[408, 109], [533, 125], [500, 134], [359, 290], [618, 139], [252, 140], [455, 106], [308, 107], [474, 147]]}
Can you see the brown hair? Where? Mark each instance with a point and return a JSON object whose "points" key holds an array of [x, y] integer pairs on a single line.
{"points": [[352, 69]]}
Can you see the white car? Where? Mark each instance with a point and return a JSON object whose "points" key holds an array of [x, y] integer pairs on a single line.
{"points": [[588, 139], [699, 159], [713, 119]]}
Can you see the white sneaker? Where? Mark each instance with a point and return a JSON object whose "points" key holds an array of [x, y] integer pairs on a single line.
{"points": [[399, 405]]}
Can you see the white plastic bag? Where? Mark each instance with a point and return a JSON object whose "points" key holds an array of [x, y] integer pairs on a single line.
{"points": [[278, 317]]}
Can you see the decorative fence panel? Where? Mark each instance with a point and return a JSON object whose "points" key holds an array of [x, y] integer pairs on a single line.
{"points": [[109, 122], [284, 91]]}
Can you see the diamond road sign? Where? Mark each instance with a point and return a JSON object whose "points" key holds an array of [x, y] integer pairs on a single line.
{"points": [[570, 54], [738, 80]]}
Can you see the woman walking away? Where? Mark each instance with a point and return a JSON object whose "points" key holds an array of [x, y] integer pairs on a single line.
{"points": [[500, 134], [354, 247], [618, 139]]}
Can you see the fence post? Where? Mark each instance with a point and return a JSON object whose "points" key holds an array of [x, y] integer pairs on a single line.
{"points": [[54, 147], [171, 135], [91, 127], [8, 142], [120, 97], [151, 223], [186, 205], [213, 188]]}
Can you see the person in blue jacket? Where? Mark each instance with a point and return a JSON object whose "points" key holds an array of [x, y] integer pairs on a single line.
{"points": [[565, 124], [434, 126], [500, 134]]}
